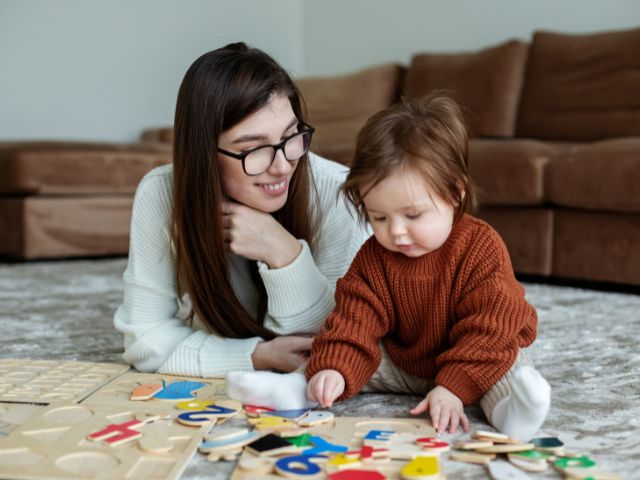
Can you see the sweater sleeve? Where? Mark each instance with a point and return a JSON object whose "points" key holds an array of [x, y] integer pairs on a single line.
{"points": [[154, 338], [350, 340], [301, 294], [492, 322]]}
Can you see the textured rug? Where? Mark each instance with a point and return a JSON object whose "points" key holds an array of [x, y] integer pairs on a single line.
{"points": [[588, 349]]}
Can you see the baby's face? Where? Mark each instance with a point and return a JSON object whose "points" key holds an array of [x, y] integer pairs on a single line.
{"points": [[407, 215]]}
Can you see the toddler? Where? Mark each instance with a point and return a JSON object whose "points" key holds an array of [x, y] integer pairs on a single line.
{"points": [[430, 304]]}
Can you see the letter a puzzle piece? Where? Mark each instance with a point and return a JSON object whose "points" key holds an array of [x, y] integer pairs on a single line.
{"points": [[119, 433], [179, 391], [421, 468]]}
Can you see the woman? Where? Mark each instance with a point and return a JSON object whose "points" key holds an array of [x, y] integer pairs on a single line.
{"points": [[237, 246]]}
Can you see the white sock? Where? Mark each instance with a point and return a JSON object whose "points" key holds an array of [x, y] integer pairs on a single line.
{"points": [[521, 414], [280, 391]]}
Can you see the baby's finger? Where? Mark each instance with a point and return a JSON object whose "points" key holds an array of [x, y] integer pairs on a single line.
{"points": [[435, 416], [454, 422], [421, 407], [464, 420], [445, 416]]}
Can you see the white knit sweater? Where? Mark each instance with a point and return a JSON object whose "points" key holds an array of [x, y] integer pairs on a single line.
{"points": [[300, 295]]}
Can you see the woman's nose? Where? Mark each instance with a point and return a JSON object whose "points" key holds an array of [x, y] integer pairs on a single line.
{"points": [[280, 165]]}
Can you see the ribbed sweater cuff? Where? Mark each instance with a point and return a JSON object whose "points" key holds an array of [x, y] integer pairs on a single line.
{"points": [[205, 355], [300, 276], [460, 383], [351, 363]]}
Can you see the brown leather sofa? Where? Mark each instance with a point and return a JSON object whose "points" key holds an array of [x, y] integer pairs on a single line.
{"points": [[69, 199], [555, 146]]}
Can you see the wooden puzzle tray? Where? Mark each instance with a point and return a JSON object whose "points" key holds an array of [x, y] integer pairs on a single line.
{"points": [[51, 381], [53, 444]]}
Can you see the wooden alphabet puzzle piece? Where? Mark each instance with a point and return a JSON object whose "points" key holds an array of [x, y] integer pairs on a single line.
{"points": [[271, 444], [51, 381], [146, 391], [118, 433], [118, 391], [341, 442]]}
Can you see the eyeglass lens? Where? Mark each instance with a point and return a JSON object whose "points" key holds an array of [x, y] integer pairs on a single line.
{"points": [[261, 159]]}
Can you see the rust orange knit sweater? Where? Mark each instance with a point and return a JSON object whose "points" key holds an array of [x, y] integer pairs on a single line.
{"points": [[456, 315]]}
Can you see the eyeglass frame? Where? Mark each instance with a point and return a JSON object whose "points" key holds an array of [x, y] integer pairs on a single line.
{"points": [[277, 146]]}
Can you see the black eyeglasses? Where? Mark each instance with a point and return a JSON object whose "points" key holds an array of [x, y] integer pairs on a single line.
{"points": [[259, 159]]}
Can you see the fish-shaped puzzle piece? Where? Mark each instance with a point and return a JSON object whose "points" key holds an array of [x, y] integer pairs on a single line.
{"points": [[179, 391]]}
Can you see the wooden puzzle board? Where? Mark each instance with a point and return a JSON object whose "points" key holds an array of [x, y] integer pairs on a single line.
{"points": [[50, 381], [53, 444], [118, 391], [349, 431]]}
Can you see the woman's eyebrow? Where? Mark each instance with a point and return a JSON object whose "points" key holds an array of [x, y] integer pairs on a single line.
{"points": [[250, 137]]}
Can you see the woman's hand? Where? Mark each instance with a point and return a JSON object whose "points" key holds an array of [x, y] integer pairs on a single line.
{"points": [[256, 235], [445, 409], [284, 354], [325, 386]]}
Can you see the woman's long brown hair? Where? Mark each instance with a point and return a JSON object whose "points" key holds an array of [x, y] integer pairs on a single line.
{"points": [[220, 89]]}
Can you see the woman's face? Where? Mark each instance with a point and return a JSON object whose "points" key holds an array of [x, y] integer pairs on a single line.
{"points": [[266, 191]]}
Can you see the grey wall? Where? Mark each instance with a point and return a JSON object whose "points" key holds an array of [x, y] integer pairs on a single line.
{"points": [[344, 35], [106, 69], [93, 69]]}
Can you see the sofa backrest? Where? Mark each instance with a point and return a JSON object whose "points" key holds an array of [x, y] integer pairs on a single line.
{"points": [[486, 83], [582, 87], [338, 106]]}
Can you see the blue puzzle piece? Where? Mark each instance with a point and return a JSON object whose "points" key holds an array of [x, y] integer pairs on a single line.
{"points": [[179, 391], [320, 445], [246, 437], [300, 465]]}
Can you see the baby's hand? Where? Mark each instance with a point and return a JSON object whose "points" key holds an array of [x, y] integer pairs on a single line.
{"points": [[445, 408], [325, 386]]}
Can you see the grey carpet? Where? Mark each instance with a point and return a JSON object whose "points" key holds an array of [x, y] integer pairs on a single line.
{"points": [[587, 348]]}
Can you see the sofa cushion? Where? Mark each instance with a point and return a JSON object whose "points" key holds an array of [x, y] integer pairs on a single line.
{"points": [[582, 87], [601, 176], [76, 168], [509, 172], [528, 235], [597, 246], [338, 106], [43, 226], [487, 83]]}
